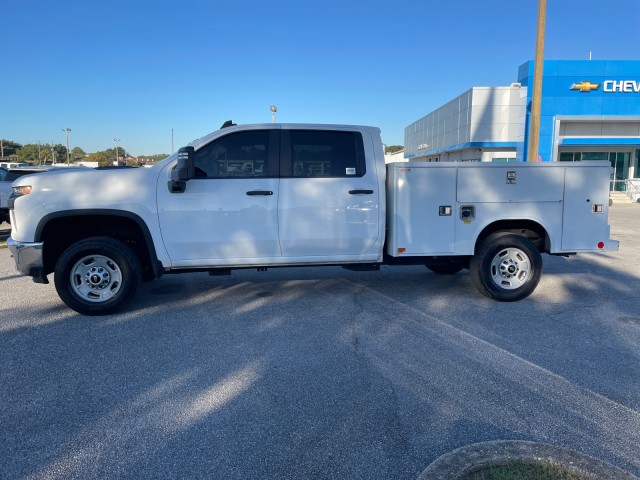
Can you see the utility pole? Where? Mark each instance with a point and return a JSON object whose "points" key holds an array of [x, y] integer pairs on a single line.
{"points": [[116, 140], [536, 97], [67, 130]]}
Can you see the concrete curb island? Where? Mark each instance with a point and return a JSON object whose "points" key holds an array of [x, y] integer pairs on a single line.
{"points": [[465, 460]]}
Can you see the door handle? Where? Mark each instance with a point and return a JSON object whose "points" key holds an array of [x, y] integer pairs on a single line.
{"points": [[254, 193], [360, 192]]}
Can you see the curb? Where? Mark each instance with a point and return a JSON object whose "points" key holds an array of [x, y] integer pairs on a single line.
{"points": [[464, 460]]}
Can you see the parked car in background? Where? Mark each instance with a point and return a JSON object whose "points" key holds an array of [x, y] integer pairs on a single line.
{"points": [[8, 165], [7, 176]]}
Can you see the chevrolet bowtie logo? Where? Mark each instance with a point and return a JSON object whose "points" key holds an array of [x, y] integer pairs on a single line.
{"points": [[585, 86]]}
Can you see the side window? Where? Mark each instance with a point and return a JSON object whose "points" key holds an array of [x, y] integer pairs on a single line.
{"points": [[3, 174], [237, 155], [317, 153]]}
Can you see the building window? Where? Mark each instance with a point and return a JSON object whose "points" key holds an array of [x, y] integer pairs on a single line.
{"points": [[595, 156], [583, 156]]}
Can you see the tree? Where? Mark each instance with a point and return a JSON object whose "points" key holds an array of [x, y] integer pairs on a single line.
{"points": [[28, 153], [77, 154], [61, 152], [103, 159], [150, 159], [42, 154], [393, 148], [9, 148]]}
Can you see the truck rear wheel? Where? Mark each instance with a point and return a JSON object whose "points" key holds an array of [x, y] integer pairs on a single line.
{"points": [[506, 267], [97, 275]]}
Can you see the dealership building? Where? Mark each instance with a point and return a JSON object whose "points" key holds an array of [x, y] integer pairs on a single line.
{"points": [[590, 111]]}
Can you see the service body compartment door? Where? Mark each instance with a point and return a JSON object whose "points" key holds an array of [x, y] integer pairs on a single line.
{"points": [[422, 211], [586, 207], [519, 182]]}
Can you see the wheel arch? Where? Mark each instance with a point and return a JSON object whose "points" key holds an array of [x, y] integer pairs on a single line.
{"points": [[59, 230], [526, 228]]}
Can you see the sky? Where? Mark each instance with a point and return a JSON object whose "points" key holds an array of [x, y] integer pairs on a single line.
{"points": [[159, 74]]}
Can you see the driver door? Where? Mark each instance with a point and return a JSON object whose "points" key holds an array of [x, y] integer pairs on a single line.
{"points": [[228, 213]]}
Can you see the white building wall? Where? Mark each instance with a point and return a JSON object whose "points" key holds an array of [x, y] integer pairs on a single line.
{"points": [[395, 157], [479, 115]]}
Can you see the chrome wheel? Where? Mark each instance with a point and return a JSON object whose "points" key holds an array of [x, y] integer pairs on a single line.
{"points": [[506, 267], [98, 275], [510, 268], [96, 278]]}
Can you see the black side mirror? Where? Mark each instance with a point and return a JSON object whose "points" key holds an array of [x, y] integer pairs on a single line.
{"points": [[184, 170]]}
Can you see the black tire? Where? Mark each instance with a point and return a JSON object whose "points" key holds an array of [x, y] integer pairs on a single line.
{"points": [[506, 267], [445, 269], [97, 275]]}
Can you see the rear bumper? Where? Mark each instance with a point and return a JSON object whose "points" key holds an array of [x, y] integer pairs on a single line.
{"points": [[28, 258]]}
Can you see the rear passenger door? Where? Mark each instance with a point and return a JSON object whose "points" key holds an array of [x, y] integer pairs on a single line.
{"points": [[328, 204]]}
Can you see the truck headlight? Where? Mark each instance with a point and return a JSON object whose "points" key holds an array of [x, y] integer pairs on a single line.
{"points": [[21, 190]]}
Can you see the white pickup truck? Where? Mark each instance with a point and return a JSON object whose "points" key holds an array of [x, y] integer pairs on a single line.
{"points": [[257, 196]]}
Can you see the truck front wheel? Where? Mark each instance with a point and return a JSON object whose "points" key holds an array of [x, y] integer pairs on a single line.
{"points": [[97, 275], [506, 267]]}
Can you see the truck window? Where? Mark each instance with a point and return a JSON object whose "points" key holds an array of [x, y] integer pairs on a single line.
{"points": [[237, 155], [318, 153]]}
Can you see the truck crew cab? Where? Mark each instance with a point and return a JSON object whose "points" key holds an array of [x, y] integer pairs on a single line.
{"points": [[256, 196]]}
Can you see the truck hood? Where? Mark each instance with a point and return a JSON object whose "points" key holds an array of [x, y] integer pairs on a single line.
{"points": [[88, 188]]}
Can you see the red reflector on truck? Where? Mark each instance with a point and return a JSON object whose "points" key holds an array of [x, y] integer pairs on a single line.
{"points": [[600, 244]]}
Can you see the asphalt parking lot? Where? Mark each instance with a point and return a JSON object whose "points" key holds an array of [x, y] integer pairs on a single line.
{"points": [[321, 372]]}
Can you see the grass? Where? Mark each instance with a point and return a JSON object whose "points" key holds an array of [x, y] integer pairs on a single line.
{"points": [[4, 234], [523, 471]]}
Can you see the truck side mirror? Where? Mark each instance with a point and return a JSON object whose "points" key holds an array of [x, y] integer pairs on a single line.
{"points": [[184, 170]]}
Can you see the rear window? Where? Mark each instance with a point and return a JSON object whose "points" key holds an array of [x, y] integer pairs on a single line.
{"points": [[319, 153]]}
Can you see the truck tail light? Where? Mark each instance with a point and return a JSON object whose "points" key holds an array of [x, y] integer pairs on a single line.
{"points": [[600, 245]]}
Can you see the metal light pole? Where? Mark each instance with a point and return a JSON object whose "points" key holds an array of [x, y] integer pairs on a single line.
{"points": [[273, 109], [116, 140], [536, 96], [67, 130]]}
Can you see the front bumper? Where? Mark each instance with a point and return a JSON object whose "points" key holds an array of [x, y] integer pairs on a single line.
{"points": [[28, 258]]}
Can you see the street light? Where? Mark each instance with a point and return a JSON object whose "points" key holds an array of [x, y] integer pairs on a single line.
{"points": [[273, 109], [67, 130], [116, 140]]}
